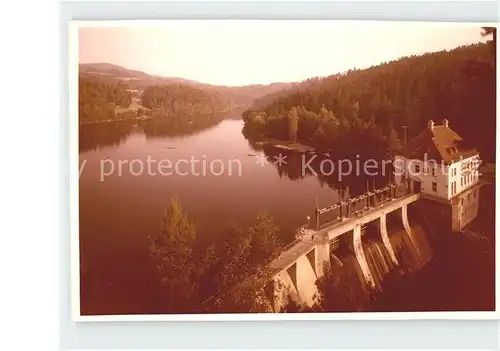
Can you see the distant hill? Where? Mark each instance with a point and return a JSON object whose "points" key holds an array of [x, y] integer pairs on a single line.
{"points": [[240, 95], [135, 79], [111, 70]]}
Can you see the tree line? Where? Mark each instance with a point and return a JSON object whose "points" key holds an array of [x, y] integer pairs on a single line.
{"points": [[181, 109], [98, 100], [181, 99], [377, 103], [103, 100], [193, 272]]}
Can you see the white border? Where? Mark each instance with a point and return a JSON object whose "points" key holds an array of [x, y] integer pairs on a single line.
{"points": [[74, 180], [73, 55]]}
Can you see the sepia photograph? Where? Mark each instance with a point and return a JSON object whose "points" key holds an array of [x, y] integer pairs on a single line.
{"points": [[283, 167]]}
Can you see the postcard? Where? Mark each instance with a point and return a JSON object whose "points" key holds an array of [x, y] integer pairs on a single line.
{"points": [[264, 169]]}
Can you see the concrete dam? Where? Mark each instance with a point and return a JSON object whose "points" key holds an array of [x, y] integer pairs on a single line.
{"points": [[369, 237], [410, 255]]}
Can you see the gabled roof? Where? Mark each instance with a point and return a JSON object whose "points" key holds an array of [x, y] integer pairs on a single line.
{"points": [[439, 143]]}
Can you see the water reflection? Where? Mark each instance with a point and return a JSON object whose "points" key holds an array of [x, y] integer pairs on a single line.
{"points": [[354, 183], [180, 126], [99, 135]]}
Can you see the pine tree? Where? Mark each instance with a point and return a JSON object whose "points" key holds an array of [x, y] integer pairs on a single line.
{"points": [[172, 250], [293, 124], [393, 139]]}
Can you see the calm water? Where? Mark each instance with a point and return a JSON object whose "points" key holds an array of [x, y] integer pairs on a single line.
{"points": [[119, 211]]}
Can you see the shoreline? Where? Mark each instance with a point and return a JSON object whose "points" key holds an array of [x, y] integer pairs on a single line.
{"points": [[116, 120], [286, 145]]}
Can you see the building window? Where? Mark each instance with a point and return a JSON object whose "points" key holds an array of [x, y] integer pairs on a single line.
{"points": [[453, 188], [462, 201], [468, 197], [434, 186], [417, 168], [433, 171], [461, 181]]}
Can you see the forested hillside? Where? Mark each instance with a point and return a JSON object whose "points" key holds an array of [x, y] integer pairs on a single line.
{"points": [[181, 99], [294, 87], [346, 110], [98, 100], [237, 95]]}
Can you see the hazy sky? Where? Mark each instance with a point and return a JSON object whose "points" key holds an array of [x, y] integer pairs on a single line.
{"points": [[247, 52]]}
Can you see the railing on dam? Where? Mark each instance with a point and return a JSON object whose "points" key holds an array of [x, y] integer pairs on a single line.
{"points": [[354, 206]]}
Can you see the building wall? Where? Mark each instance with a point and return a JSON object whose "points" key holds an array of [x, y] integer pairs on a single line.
{"points": [[440, 181], [467, 207], [433, 182], [465, 174]]}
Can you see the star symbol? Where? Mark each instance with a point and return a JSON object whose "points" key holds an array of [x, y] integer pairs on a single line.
{"points": [[262, 160], [280, 159]]}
